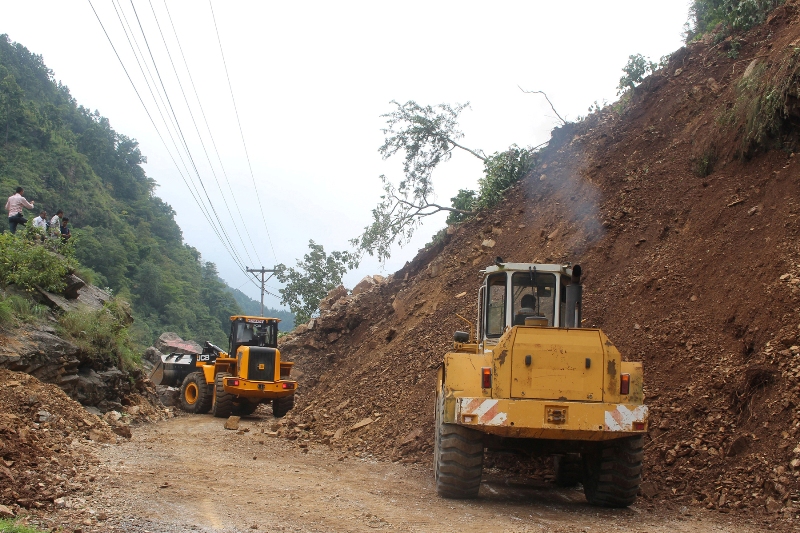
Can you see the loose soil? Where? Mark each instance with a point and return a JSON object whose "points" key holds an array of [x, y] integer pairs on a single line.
{"points": [[190, 474], [687, 232]]}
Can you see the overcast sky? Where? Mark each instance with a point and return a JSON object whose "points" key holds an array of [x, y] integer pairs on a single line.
{"points": [[311, 80]]}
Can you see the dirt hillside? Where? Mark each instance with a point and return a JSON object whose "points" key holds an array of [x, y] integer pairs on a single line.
{"points": [[681, 203]]}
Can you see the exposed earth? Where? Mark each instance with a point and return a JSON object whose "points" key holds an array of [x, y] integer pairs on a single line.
{"points": [[190, 474]]}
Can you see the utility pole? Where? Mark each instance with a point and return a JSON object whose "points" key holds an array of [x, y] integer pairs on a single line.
{"points": [[261, 271]]}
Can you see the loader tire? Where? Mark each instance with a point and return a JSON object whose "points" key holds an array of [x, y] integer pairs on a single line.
{"points": [[223, 402], [569, 469], [613, 472], [281, 406], [457, 457], [245, 408], [196, 394]]}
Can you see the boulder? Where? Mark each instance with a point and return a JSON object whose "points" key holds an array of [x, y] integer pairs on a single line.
{"points": [[332, 297], [172, 343], [364, 285]]}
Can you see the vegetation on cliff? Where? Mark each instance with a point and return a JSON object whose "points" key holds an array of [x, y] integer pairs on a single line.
{"points": [[68, 157]]}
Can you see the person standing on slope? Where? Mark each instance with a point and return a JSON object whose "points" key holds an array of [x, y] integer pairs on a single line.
{"points": [[14, 207], [55, 223]]}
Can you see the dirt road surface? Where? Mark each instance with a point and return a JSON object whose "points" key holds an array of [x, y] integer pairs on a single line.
{"points": [[190, 474]]}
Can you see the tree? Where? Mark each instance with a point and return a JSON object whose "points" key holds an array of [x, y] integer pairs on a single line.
{"points": [[427, 136], [637, 68], [318, 273]]}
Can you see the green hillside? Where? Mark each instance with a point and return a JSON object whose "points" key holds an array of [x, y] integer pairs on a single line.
{"points": [[68, 157]]}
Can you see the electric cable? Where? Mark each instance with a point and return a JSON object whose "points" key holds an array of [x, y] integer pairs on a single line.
{"points": [[205, 120], [183, 138], [152, 121], [241, 132], [197, 130]]}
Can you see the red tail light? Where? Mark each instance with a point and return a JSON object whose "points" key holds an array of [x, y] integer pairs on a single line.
{"points": [[624, 383], [287, 385], [486, 377]]}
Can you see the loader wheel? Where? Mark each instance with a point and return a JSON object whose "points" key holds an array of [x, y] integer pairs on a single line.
{"points": [[223, 403], [613, 472], [457, 457], [281, 406], [569, 469], [245, 408], [196, 394]]}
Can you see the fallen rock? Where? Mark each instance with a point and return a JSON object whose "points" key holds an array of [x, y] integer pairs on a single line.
{"points": [[361, 424], [648, 489], [6, 512], [172, 343], [364, 285], [232, 423], [488, 243]]}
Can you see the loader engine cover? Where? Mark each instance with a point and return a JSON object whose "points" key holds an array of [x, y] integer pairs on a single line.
{"points": [[261, 364]]}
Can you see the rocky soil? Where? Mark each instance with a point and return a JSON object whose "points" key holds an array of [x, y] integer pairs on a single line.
{"points": [[688, 236]]}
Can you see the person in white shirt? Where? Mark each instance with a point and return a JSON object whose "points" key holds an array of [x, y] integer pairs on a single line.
{"points": [[14, 207], [55, 223], [41, 220]]}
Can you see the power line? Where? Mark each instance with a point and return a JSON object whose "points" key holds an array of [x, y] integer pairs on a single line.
{"points": [[241, 132], [205, 120], [183, 138], [199, 202], [191, 114], [155, 126]]}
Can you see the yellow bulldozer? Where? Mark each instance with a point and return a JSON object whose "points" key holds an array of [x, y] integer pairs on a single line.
{"points": [[529, 378], [237, 381]]}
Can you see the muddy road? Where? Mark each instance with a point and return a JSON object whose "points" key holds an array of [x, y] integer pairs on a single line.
{"points": [[190, 474]]}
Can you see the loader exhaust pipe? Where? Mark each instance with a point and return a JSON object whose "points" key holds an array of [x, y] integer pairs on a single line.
{"points": [[574, 299]]}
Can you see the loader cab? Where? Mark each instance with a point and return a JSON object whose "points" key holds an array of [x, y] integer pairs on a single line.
{"points": [[528, 294], [253, 331]]}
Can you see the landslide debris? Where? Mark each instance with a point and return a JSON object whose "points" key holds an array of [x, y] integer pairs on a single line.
{"points": [[685, 220]]}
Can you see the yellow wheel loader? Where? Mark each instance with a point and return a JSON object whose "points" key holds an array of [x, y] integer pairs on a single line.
{"points": [[237, 381], [528, 378]]}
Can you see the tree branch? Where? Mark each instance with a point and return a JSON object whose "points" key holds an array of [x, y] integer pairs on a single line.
{"points": [[548, 101], [476, 154]]}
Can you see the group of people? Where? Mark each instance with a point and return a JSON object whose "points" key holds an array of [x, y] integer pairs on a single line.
{"points": [[57, 226]]}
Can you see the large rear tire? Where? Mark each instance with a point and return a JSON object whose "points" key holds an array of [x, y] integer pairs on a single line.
{"points": [[613, 472], [457, 457], [223, 401], [569, 469], [196, 394], [281, 406]]}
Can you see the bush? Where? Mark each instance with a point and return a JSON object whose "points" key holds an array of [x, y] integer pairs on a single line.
{"points": [[706, 15], [103, 334], [27, 263], [501, 171], [636, 70]]}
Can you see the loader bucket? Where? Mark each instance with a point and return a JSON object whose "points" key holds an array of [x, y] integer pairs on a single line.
{"points": [[157, 374]]}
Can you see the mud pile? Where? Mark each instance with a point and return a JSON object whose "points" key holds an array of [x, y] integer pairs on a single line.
{"points": [[686, 225]]}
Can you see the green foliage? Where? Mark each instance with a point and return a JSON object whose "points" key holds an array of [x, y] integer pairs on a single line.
{"points": [[103, 334], [464, 201], [765, 102], [68, 157], [637, 68], [318, 273], [426, 135], [6, 312], [501, 171], [27, 263], [8, 525], [706, 15]]}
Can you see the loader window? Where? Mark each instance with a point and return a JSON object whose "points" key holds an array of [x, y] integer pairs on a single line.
{"points": [[539, 288], [496, 305]]}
